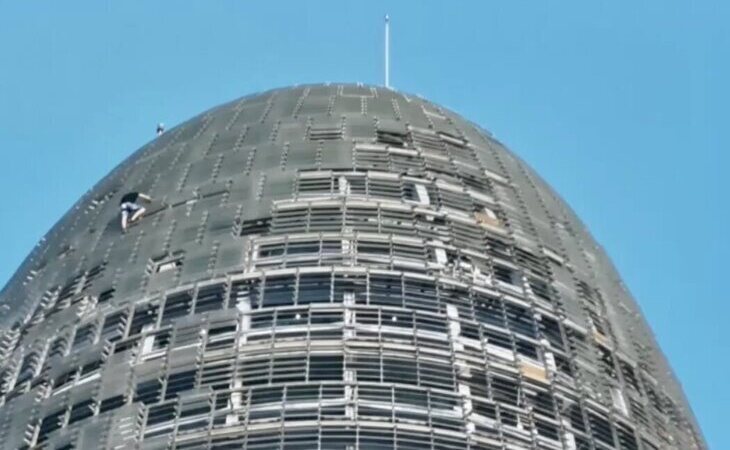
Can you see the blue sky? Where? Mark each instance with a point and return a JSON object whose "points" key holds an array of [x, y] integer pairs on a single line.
{"points": [[621, 106]]}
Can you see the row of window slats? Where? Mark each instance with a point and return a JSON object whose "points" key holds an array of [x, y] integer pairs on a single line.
{"points": [[100, 200], [324, 217], [242, 231], [212, 297], [321, 367], [186, 379], [170, 308], [60, 303]]}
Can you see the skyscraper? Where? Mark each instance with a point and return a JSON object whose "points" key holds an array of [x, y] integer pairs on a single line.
{"points": [[329, 267]]}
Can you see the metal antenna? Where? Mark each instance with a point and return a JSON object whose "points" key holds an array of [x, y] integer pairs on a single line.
{"points": [[387, 51]]}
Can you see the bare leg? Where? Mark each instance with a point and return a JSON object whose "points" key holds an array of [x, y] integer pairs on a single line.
{"points": [[137, 215], [124, 220]]}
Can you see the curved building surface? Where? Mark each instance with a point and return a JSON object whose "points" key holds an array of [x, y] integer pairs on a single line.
{"points": [[329, 267]]}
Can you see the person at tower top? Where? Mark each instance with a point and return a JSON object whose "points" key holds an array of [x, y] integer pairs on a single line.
{"points": [[132, 211]]}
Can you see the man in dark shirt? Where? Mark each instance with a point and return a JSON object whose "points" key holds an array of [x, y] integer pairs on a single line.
{"points": [[131, 210]]}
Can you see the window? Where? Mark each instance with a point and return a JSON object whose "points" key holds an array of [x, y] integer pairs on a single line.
{"points": [[85, 336], [166, 263], [314, 288], [50, 423], [506, 274], [111, 403], [179, 382], [28, 367], [547, 429], [144, 316], [504, 390], [325, 367], [257, 226], [393, 138], [114, 326], [210, 298], [81, 411], [489, 310], [106, 295], [330, 132], [177, 305], [148, 391], [65, 378], [371, 157], [520, 320], [90, 367], [385, 290], [601, 429], [279, 291], [315, 183], [161, 413], [629, 375]]}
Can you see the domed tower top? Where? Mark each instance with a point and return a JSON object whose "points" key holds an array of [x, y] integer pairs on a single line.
{"points": [[365, 199]]}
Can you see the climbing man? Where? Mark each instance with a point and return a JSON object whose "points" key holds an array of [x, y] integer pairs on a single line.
{"points": [[160, 128], [131, 210]]}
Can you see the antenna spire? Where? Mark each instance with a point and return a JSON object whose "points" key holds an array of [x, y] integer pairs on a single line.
{"points": [[387, 51]]}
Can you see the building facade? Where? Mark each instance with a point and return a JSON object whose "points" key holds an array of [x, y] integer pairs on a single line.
{"points": [[329, 267]]}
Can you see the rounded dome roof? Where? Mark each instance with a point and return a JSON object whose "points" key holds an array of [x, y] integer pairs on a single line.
{"points": [[231, 166]]}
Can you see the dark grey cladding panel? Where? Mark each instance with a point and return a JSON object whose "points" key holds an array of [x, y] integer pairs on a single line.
{"points": [[338, 254]]}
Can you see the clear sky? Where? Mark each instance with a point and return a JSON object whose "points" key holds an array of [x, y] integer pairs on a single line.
{"points": [[622, 106]]}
